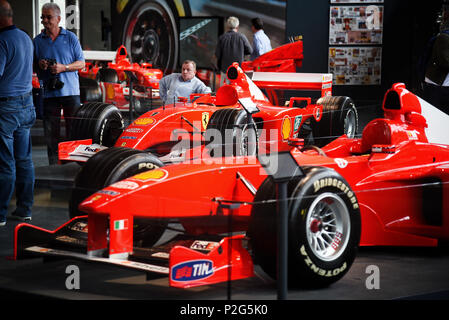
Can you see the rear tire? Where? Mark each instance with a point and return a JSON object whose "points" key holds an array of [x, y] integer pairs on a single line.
{"points": [[339, 117], [107, 167], [233, 133], [89, 90], [107, 75], [101, 122]]}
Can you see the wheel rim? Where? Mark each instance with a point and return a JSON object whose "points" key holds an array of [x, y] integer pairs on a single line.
{"points": [[248, 143], [328, 226], [350, 123], [150, 36]]}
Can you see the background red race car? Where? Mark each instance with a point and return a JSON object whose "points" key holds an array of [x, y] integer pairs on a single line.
{"points": [[112, 81], [388, 187], [103, 123]]}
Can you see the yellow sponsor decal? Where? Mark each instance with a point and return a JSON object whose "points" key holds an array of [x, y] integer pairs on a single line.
{"points": [[337, 183], [156, 174], [144, 121], [286, 128]]}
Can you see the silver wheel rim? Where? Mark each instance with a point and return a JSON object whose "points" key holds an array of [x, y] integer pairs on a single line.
{"points": [[328, 226], [247, 142], [350, 123]]}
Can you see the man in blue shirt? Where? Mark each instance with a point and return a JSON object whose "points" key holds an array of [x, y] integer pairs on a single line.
{"points": [[17, 116], [182, 84], [261, 42], [59, 56]]}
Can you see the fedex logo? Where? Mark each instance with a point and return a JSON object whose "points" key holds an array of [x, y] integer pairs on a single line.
{"points": [[192, 270]]}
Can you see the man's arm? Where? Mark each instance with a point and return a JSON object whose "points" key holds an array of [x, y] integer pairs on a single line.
{"points": [[2, 59], [256, 48], [247, 46], [201, 87], [74, 66], [163, 89]]}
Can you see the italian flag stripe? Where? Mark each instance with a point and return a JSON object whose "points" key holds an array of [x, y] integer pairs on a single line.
{"points": [[121, 224]]}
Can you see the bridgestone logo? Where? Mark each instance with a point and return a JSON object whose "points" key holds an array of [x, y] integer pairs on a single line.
{"points": [[318, 270], [336, 183]]}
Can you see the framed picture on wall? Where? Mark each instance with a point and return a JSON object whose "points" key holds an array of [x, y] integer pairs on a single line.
{"points": [[355, 25], [355, 65]]}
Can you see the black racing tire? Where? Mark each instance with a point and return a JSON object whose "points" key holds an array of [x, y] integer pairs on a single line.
{"points": [[339, 117], [150, 33], [89, 90], [231, 132], [107, 167], [101, 122], [323, 233], [107, 75]]}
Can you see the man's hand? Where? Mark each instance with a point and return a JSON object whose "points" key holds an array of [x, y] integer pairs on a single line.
{"points": [[43, 64], [57, 68]]}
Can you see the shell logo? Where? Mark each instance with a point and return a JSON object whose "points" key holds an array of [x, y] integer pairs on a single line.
{"points": [[156, 174], [144, 121], [286, 127]]}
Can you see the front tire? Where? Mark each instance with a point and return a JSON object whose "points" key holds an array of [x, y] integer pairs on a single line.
{"points": [[107, 167], [324, 228]]}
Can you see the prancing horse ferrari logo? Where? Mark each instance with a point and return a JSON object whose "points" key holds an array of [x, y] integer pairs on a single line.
{"points": [[205, 119]]}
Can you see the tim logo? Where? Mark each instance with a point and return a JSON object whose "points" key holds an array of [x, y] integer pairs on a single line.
{"points": [[192, 270]]}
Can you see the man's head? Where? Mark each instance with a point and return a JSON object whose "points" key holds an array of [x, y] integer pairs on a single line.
{"points": [[5, 14], [256, 24], [51, 16], [188, 70], [232, 23]]}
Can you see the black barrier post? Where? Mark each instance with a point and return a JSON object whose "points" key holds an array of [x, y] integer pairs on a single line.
{"points": [[282, 271], [282, 167], [132, 77]]}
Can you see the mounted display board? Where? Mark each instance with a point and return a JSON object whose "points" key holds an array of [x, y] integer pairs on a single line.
{"points": [[355, 42]]}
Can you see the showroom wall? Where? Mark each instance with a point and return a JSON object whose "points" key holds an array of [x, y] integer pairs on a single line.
{"points": [[23, 14], [407, 26]]}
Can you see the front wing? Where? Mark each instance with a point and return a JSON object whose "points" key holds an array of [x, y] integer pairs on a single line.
{"points": [[187, 261]]}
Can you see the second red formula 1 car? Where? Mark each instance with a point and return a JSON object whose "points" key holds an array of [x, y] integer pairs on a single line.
{"points": [[114, 81], [388, 187]]}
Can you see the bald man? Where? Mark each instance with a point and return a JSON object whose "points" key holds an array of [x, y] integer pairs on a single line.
{"points": [[17, 116]]}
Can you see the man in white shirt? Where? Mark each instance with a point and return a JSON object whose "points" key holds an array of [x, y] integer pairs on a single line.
{"points": [[261, 42], [182, 84]]}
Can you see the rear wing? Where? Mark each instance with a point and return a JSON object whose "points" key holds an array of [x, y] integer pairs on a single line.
{"points": [[293, 81], [99, 55], [282, 59]]}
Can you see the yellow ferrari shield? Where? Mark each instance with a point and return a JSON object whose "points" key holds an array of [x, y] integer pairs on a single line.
{"points": [[205, 119]]}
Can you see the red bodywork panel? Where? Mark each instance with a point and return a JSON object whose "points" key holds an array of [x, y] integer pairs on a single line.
{"points": [[283, 59]]}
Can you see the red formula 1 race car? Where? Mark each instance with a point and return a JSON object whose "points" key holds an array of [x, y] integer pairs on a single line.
{"points": [[389, 187], [168, 132], [114, 82]]}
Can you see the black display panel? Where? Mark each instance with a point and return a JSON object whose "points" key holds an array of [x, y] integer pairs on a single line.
{"points": [[198, 38]]}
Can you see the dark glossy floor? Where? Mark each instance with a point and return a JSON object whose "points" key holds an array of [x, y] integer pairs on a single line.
{"points": [[404, 273]]}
